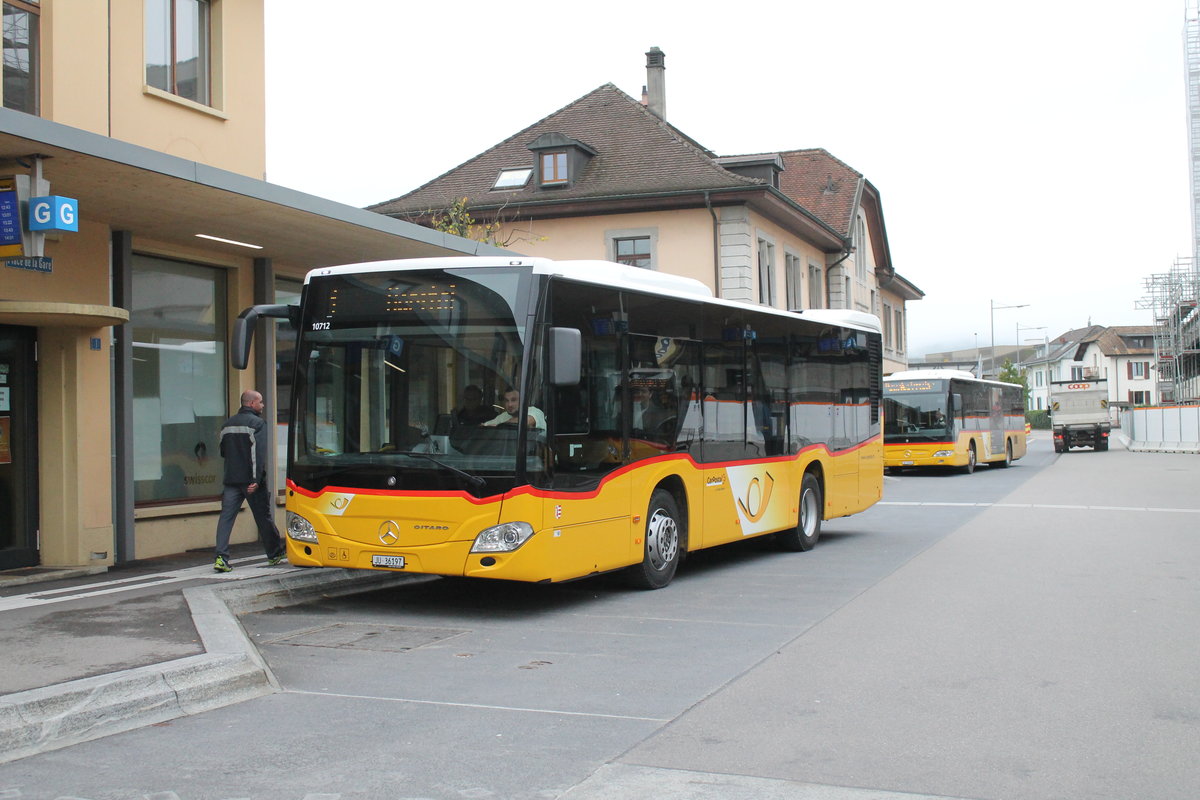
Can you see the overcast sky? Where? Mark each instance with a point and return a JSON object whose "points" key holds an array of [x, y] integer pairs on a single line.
{"points": [[1027, 152]]}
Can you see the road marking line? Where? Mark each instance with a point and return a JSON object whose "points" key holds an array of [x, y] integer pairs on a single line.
{"points": [[475, 705], [48, 597], [1140, 509]]}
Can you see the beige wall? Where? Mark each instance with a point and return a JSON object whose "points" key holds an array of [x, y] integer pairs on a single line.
{"points": [[684, 239], [80, 275], [74, 42], [684, 242], [74, 435], [87, 85]]}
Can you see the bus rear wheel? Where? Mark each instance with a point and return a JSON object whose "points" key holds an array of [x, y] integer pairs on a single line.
{"points": [[663, 544], [808, 524], [1008, 459]]}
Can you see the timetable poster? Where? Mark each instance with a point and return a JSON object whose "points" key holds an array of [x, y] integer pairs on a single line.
{"points": [[10, 224]]}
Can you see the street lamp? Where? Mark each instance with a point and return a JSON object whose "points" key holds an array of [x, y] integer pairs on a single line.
{"points": [[1020, 328], [994, 307]]}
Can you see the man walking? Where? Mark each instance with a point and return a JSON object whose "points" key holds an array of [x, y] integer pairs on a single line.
{"points": [[244, 448]]}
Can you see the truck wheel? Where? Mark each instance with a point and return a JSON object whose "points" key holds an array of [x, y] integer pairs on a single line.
{"points": [[664, 539], [1101, 446], [808, 524], [972, 459]]}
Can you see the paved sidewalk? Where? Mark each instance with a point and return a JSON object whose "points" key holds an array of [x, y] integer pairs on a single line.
{"points": [[88, 655]]}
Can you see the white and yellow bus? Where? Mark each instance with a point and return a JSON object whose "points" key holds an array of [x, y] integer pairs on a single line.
{"points": [[950, 418], [653, 419]]}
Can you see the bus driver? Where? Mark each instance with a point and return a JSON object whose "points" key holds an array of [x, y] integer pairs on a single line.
{"points": [[512, 406]]}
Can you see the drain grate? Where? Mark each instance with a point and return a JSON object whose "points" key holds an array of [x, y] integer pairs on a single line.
{"points": [[357, 636]]}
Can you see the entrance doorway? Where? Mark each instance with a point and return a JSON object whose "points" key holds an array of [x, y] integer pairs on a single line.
{"points": [[18, 448]]}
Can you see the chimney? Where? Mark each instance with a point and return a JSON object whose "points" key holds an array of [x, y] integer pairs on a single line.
{"points": [[656, 82]]}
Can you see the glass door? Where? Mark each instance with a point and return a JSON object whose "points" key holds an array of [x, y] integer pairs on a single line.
{"points": [[18, 448]]}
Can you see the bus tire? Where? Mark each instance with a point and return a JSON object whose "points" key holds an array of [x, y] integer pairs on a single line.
{"points": [[662, 544], [804, 536], [1008, 459], [972, 459]]}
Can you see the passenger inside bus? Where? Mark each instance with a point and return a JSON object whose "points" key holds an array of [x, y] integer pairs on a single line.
{"points": [[473, 411]]}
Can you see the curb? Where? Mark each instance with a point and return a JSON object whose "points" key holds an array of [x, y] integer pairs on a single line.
{"points": [[230, 670]]}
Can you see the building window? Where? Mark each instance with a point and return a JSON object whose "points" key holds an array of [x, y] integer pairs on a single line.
{"points": [[766, 272], [1139, 398], [178, 48], [554, 168], [794, 279], [860, 249], [1139, 369], [21, 56], [887, 327], [1037, 378], [898, 333], [287, 292], [636, 247], [512, 178], [633, 251], [816, 286], [1076, 373], [179, 379]]}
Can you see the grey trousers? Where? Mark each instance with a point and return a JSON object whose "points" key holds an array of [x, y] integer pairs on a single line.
{"points": [[260, 506]]}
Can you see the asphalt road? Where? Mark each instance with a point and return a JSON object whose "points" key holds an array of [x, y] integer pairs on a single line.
{"points": [[1019, 633]]}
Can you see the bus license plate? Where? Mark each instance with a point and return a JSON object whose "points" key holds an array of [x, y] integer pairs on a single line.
{"points": [[395, 562]]}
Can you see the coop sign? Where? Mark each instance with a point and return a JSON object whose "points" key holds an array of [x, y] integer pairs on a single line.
{"points": [[53, 213]]}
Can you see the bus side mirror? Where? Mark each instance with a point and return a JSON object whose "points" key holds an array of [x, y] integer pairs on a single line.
{"points": [[243, 329], [566, 356]]}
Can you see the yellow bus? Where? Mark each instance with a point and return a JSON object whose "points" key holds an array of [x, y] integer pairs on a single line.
{"points": [[629, 417], [950, 418]]}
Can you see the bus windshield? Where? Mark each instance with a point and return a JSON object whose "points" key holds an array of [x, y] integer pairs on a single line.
{"points": [[915, 416], [401, 380]]}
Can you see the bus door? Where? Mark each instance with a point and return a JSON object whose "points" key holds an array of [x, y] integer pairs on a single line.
{"points": [[996, 423]]}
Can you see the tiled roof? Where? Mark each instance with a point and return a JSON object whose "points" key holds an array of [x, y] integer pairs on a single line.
{"points": [[1114, 342], [824, 185], [636, 153]]}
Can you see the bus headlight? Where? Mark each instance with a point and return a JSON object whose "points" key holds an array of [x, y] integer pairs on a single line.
{"points": [[943, 454], [502, 538], [300, 529]]}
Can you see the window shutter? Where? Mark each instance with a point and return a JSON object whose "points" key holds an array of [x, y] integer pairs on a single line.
{"points": [[1129, 369]]}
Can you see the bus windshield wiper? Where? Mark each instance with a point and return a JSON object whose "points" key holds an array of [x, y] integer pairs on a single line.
{"points": [[473, 480]]}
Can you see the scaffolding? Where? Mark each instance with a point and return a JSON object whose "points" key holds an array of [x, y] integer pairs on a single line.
{"points": [[1191, 48], [1174, 299]]}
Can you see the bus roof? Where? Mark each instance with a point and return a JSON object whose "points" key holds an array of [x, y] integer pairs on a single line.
{"points": [[607, 273], [939, 374]]}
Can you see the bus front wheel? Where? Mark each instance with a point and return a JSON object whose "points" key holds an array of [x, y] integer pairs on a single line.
{"points": [[808, 525], [972, 458], [662, 544]]}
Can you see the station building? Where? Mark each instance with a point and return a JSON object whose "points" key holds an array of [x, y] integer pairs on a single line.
{"points": [[133, 131]]}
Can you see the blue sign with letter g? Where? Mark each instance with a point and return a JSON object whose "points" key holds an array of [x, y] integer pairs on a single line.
{"points": [[53, 213]]}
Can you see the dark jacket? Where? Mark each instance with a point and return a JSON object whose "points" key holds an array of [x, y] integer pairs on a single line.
{"points": [[244, 448]]}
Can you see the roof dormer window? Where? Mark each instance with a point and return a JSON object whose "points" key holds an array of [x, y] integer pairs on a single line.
{"points": [[513, 178], [554, 168], [560, 160]]}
